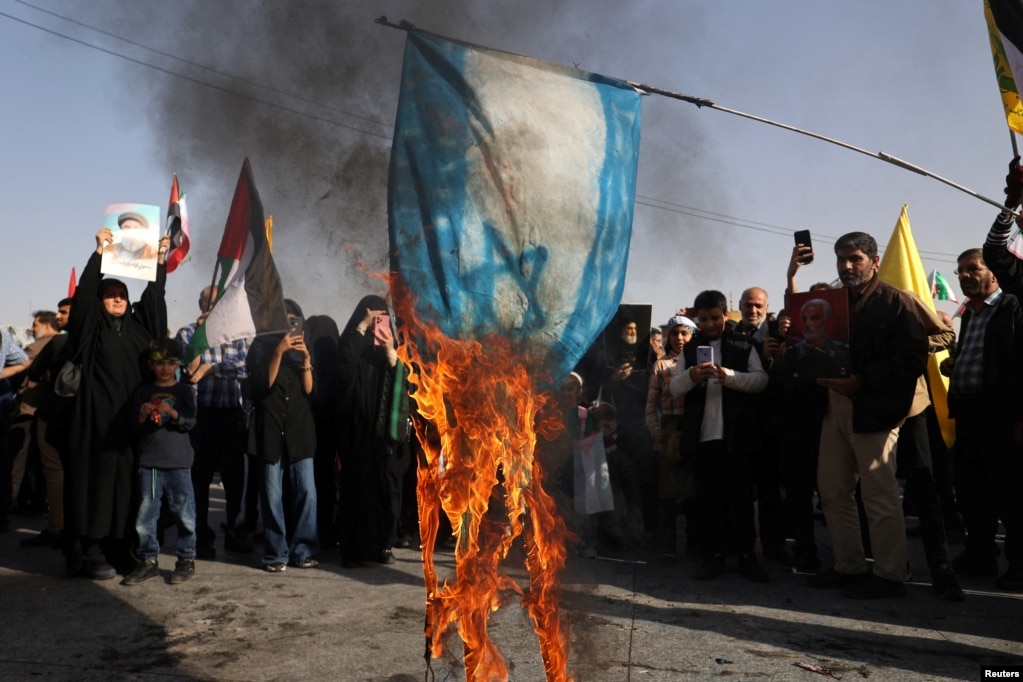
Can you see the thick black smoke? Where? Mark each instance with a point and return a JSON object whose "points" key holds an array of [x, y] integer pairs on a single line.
{"points": [[317, 85]]}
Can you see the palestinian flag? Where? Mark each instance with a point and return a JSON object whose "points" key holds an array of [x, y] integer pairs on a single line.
{"points": [[177, 227], [249, 299], [940, 289], [1005, 29]]}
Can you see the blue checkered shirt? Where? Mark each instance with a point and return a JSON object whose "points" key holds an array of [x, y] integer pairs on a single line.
{"points": [[222, 386], [968, 371]]}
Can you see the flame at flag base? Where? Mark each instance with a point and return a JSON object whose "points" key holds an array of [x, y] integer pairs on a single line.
{"points": [[483, 413]]}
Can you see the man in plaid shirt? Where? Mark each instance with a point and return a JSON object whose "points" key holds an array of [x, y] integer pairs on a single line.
{"points": [[219, 437], [983, 399]]}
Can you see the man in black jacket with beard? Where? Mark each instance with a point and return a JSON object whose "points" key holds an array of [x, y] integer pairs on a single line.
{"points": [[888, 353]]}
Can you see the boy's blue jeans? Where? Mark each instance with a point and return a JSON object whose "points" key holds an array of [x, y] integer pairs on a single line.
{"points": [[174, 486]]}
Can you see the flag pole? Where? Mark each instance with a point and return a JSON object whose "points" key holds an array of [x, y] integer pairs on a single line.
{"points": [[1015, 147], [883, 156]]}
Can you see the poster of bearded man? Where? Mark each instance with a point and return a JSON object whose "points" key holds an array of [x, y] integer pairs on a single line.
{"points": [[132, 251]]}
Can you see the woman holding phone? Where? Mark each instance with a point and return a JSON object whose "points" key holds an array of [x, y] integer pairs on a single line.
{"points": [[372, 435], [283, 437]]}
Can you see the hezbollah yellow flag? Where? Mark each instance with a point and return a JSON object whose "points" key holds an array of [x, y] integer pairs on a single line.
{"points": [[901, 267], [1005, 30], [268, 226]]}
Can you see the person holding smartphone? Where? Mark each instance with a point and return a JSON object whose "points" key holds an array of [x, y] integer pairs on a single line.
{"points": [[372, 436], [283, 436], [718, 383]]}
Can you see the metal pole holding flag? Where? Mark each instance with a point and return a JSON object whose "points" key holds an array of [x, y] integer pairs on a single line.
{"points": [[883, 156]]}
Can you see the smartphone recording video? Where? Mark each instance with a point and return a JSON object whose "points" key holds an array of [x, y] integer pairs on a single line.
{"points": [[381, 323], [803, 237], [704, 354]]}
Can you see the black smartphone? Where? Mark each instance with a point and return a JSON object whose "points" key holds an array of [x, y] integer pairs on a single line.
{"points": [[803, 237], [295, 324]]}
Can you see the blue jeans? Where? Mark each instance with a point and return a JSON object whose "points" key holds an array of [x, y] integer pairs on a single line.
{"points": [[301, 517], [174, 486]]}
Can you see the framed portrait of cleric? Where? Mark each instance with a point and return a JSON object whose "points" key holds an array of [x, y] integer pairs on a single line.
{"points": [[817, 344], [828, 314], [136, 232]]}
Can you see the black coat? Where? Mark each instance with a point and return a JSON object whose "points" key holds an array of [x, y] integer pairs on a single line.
{"points": [[112, 353], [283, 412], [888, 353]]}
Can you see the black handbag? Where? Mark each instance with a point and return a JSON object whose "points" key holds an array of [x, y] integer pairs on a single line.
{"points": [[68, 380]]}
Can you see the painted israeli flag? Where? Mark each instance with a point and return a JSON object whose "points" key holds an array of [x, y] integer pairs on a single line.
{"points": [[511, 193]]}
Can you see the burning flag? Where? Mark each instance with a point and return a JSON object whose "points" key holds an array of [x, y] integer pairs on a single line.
{"points": [[940, 289], [248, 296], [1005, 29], [511, 197], [177, 227]]}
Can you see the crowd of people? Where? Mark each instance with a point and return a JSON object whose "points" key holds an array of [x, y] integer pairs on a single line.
{"points": [[117, 438], [735, 426]]}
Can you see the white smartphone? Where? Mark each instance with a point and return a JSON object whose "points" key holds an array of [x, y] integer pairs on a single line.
{"points": [[704, 354]]}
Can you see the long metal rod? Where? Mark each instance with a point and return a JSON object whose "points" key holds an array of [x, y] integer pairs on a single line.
{"points": [[883, 156]]}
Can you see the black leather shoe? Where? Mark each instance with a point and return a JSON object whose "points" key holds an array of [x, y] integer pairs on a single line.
{"points": [[873, 587], [833, 580]]}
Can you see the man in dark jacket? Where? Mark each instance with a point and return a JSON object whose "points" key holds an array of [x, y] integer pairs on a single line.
{"points": [[888, 352], [985, 379]]}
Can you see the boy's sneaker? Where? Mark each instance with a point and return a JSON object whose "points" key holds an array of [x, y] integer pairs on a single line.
{"points": [[275, 567], [184, 569], [148, 569]]}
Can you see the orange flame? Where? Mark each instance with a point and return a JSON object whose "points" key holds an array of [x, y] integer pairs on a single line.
{"points": [[483, 410]]}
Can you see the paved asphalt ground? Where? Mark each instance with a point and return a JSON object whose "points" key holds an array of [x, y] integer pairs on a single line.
{"points": [[631, 620]]}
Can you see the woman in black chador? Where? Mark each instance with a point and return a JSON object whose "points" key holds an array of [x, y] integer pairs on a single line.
{"points": [[372, 430], [110, 338]]}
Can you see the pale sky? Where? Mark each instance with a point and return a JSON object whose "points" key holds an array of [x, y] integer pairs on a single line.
{"points": [[718, 196]]}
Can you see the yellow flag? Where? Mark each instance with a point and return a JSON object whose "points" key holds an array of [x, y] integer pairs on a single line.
{"points": [[268, 225], [901, 267], [1002, 22]]}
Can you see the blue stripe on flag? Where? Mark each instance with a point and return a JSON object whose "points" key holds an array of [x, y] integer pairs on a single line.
{"points": [[511, 196]]}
